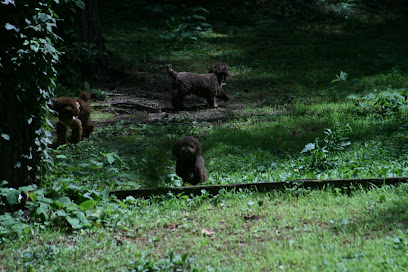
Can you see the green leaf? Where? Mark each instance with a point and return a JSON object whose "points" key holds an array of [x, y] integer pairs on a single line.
{"points": [[80, 4], [61, 213], [82, 218], [5, 137], [43, 210], [11, 27], [62, 201], [87, 204], [33, 196], [343, 76], [111, 157], [308, 147], [74, 222], [28, 188], [12, 197], [7, 2]]}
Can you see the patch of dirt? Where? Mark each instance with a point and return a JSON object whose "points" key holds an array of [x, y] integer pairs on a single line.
{"points": [[145, 96]]}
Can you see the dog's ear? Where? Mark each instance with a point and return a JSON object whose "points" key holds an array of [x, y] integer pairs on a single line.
{"points": [[56, 106], [219, 68], [85, 96], [198, 146]]}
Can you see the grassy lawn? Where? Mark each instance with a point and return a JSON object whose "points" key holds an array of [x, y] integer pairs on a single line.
{"points": [[288, 118], [290, 231]]}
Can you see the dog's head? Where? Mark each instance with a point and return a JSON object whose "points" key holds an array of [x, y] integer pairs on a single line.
{"points": [[66, 108], [187, 148], [220, 69]]}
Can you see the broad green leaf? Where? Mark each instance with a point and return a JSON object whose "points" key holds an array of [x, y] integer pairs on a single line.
{"points": [[12, 197], [28, 188], [61, 213], [62, 201], [74, 222], [43, 210], [110, 157], [88, 204], [343, 76], [82, 218]]}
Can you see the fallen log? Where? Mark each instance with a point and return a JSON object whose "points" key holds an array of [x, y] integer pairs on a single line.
{"points": [[136, 106], [260, 187]]}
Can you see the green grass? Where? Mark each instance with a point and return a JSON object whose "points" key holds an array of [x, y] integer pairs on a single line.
{"points": [[297, 231]]}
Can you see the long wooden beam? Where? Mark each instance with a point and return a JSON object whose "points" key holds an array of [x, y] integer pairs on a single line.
{"points": [[261, 187]]}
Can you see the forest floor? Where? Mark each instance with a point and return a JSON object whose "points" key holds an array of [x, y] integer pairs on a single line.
{"points": [[318, 97]]}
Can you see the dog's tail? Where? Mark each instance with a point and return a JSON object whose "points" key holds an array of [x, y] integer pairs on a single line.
{"points": [[172, 73], [85, 96]]}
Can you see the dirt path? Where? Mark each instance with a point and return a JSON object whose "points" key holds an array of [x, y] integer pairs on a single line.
{"points": [[146, 97]]}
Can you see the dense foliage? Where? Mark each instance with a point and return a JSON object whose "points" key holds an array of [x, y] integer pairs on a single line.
{"points": [[27, 78]]}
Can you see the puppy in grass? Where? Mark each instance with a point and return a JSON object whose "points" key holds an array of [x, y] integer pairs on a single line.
{"points": [[189, 161]]}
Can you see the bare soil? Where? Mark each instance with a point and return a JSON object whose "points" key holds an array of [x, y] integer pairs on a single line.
{"points": [[145, 97]]}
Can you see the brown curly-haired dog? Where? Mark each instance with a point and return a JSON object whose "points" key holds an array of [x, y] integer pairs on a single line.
{"points": [[189, 162], [208, 86], [73, 114]]}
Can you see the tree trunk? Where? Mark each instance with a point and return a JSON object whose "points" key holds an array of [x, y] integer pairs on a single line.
{"points": [[89, 25], [19, 161], [89, 30]]}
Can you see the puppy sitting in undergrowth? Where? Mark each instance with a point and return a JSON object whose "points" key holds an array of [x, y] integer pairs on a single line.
{"points": [[73, 114], [189, 162]]}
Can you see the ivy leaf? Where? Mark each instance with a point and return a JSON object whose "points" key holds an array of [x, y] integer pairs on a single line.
{"points": [[7, 2], [80, 4], [11, 27], [5, 137]]}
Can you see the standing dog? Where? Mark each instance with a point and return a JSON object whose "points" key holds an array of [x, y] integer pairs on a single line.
{"points": [[208, 86], [189, 162], [73, 114]]}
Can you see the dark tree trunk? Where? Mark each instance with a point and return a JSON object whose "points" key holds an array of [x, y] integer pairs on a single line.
{"points": [[19, 163], [89, 25], [89, 30]]}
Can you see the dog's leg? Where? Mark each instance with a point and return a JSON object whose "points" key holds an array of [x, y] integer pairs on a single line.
{"points": [[211, 102], [88, 128], [61, 133], [177, 99], [76, 127]]}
